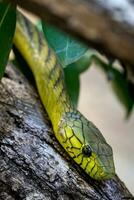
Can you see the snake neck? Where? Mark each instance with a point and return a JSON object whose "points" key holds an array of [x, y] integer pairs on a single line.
{"points": [[45, 67]]}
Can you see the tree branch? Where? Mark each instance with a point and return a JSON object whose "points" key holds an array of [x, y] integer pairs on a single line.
{"points": [[108, 26], [32, 165]]}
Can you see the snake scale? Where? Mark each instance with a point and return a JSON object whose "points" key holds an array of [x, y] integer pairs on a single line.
{"points": [[78, 136]]}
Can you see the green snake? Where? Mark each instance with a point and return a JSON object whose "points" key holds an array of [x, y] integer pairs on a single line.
{"points": [[78, 136]]}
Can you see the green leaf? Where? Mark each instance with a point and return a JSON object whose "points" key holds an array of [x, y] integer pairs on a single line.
{"points": [[84, 62], [7, 28], [67, 48], [118, 83], [121, 89], [72, 83], [72, 75]]}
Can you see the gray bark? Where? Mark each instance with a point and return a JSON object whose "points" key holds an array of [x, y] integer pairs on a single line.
{"points": [[32, 163]]}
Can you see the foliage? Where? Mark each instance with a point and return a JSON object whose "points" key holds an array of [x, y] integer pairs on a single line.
{"points": [[78, 60], [67, 49], [7, 28], [74, 57], [119, 84]]}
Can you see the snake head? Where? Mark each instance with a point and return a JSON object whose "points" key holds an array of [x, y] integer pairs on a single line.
{"points": [[86, 145]]}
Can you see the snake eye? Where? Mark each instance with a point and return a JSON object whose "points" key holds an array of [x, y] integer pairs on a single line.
{"points": [[86, 150]]}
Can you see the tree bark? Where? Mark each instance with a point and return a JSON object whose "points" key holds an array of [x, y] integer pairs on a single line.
{"points": [[107, 26], [32, 163]]}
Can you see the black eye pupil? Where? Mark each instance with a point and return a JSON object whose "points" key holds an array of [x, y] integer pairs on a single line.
{"points": [[86, 150]]}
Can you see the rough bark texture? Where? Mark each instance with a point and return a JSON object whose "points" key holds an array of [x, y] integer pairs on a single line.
{"points": [[107, 25], [32, 165]]}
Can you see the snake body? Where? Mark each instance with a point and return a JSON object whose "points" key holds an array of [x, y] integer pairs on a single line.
{"points": [[78, 136]]}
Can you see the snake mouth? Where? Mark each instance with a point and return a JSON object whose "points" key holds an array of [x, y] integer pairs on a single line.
{"points": [[107, 176], [104, 173]]}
